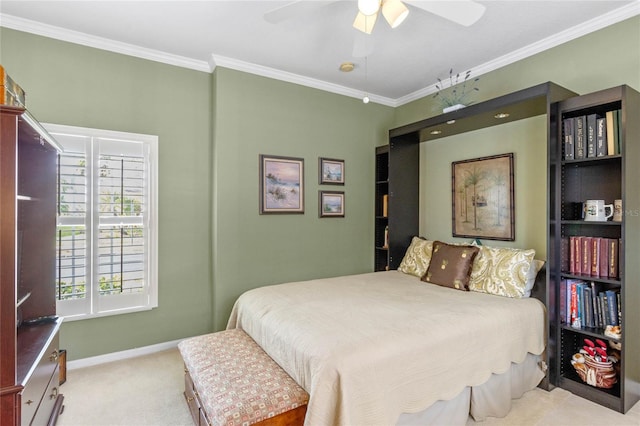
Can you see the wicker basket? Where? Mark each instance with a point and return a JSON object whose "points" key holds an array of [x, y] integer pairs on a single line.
{"points": [[600, 374]]}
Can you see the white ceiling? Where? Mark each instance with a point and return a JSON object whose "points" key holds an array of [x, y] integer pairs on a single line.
{"points": [[308, 48]]}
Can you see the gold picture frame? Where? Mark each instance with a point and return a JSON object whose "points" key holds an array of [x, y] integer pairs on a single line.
{"points": [[483, 198]]}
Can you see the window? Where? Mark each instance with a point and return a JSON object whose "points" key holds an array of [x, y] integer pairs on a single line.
{"points": [[106, 250]]}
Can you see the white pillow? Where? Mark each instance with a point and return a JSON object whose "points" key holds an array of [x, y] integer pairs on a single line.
{"points": [[535, 267]]}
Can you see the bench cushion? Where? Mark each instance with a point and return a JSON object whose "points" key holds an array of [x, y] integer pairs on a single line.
{"points": [[236, 381]]}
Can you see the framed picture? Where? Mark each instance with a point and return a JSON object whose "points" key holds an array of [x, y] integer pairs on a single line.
{"points": [[483, 200], [330, 171], [331, 203], [281, 184]]}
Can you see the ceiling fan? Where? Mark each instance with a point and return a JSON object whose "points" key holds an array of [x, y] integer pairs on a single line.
{"points": [[463, 12]]}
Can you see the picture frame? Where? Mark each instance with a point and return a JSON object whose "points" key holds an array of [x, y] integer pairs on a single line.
{"points": [[482, 194], [331, 203], [281, 185], [330, 171]]}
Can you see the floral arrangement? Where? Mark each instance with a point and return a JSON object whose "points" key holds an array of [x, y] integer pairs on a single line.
{"points": [[458, 94]]}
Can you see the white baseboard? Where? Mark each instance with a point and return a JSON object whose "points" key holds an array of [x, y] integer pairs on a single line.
{"points": [[118, 356]]}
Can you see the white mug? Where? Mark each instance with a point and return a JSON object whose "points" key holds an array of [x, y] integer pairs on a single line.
{"points": [[595, 210]]}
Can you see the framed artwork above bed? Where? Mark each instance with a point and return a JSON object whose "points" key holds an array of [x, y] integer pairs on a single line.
{"points": [[483, 198]]}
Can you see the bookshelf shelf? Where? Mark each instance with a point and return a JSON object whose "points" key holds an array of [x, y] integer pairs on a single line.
{"points": [[571, 240], [590, 223], [591, 278], [597, 333], [592, 160]]}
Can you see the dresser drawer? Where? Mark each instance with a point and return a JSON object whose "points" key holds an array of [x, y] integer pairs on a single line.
{"points": [[49, 399], [38, 382]]}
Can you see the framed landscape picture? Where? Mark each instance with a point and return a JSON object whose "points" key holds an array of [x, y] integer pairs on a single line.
{"points": [[281, 184], [483, 198], [331, 171], [331, 203]]}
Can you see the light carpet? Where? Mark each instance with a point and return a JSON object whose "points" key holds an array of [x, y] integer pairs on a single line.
{"points": [[147, 390]]}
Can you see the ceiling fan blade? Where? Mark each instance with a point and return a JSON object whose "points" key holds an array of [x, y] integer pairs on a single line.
{"points": [[364, 22], [463, 12], [293, 10]]}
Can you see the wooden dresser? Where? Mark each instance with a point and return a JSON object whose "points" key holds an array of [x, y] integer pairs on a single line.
{"points": [[29, 367]]}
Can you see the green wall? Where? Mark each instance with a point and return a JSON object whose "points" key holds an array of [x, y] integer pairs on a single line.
{"points": [[256, 115], [79, 86], [603, 59], [213, 244], [212, 127]]}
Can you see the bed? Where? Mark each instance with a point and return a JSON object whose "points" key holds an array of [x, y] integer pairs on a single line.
{"points": [[389, 348]]}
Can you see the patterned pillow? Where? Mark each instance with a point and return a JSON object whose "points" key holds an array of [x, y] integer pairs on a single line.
{"points": [[501, 271], [417, 257], [451, 265]]}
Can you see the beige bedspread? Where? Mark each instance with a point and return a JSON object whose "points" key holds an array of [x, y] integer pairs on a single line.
{"points": [[370, 347]]}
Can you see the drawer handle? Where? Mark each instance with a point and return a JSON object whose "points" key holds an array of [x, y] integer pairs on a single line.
{"points": [[29, 402], [54, 356], [54, 393]]}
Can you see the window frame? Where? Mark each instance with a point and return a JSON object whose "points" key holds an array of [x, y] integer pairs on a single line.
{"points": [[95, 305]]}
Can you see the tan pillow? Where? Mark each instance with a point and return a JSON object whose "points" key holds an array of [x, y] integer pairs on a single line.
{"points": [[501, 271], [417, 257], [451, 265]]}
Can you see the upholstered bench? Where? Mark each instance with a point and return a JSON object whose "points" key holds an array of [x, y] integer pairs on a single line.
{"points": [[230, 380]]}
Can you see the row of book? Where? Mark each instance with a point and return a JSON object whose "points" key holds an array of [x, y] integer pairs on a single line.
{"points": [[591, 135], [583, 304], [594, 256]]}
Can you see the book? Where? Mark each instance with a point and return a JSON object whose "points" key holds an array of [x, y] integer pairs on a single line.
{"points": [[579, 137], [619, 303], [385, 205], [618, 130], [613, 258], [572, 255], [603, 308], [597, 308], [601, 137], [593, 301], [577, 249], [612, 307], [595, 256], [587, 306], [585, 268], [610, 131], [580, 294], [575, 317], [604, 258], [590, 133], [567, 125]]}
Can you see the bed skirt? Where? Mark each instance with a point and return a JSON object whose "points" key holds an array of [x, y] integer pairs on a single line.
{"points": [[490, 399]]}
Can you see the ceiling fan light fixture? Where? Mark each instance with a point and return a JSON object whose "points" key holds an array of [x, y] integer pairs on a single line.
{"points": [[365, 23], [395, 12], [368, 7]]}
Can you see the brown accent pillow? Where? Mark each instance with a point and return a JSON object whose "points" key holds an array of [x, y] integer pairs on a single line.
{"points": [[450, 265]]}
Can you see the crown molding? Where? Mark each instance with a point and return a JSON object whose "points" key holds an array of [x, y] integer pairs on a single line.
{"points": [[613, 17], [21, 24], [289, 77], [77, 37]]}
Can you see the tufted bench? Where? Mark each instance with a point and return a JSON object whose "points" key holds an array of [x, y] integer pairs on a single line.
{"points": [[230, 380]]}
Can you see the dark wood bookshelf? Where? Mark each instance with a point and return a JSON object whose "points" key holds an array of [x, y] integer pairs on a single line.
{"points": [[571, 182]]}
